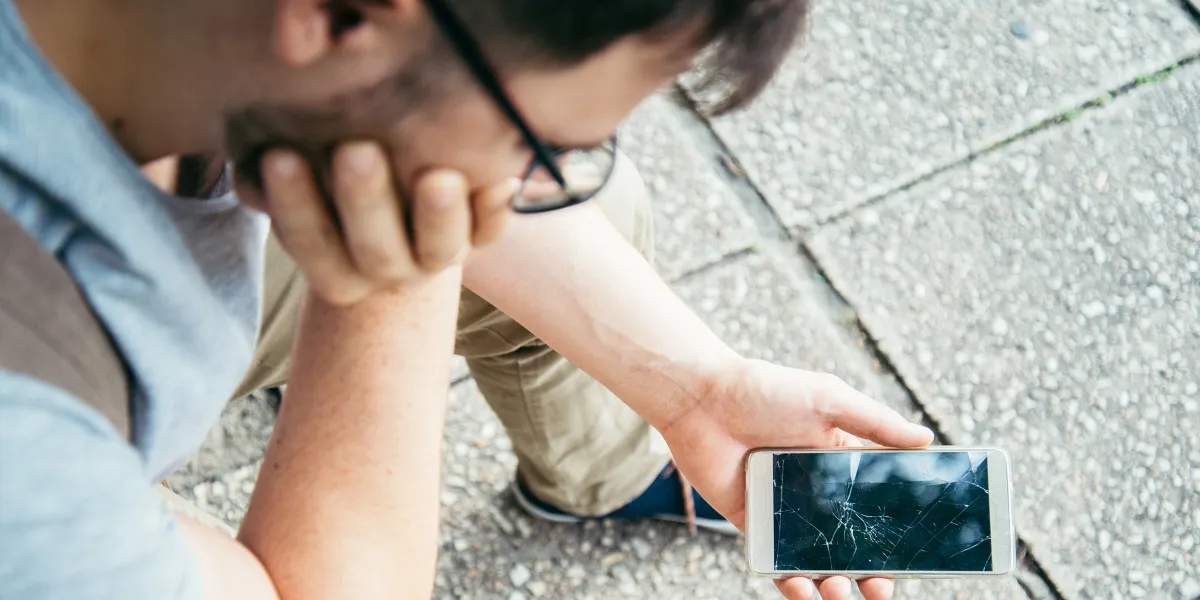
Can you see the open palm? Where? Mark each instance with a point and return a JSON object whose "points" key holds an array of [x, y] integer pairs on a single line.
{"points": [[772, 406]]}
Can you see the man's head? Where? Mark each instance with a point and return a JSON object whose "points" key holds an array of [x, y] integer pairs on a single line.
{"points": [[389, 70]]}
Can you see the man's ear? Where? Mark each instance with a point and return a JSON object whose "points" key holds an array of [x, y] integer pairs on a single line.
{"points": [[308, 30]]}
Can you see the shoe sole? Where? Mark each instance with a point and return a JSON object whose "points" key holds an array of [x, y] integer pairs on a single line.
{"points": [[715, 525]]}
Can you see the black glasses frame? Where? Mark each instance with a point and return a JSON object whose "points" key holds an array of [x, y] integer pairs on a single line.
{"points": [[547, 156]]}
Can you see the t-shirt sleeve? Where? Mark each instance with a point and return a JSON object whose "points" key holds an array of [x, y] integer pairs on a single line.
{"points": [[78, 520]]}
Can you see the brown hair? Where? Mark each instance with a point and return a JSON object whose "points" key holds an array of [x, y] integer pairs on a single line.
{"points": [[744, 41]]}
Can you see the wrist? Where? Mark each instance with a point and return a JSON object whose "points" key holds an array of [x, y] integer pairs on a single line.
{"points": [[694, 384], [427, 292]]}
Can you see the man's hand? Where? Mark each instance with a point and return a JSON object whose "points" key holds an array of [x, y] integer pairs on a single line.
{"points": [[372, 238], [756, 404]]}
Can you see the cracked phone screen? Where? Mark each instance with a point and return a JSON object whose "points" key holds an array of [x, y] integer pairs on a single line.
{"points": [[882, 511]]}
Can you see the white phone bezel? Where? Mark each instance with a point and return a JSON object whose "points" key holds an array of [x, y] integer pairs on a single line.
{"points": [[760, 515]]}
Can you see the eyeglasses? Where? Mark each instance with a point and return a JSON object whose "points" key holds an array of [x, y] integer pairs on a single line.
{"points": [[556, 177]]}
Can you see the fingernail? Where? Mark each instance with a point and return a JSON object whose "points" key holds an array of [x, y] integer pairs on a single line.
{"points": [[360, 158], [285, 164], [511, 188], [446, 195]]}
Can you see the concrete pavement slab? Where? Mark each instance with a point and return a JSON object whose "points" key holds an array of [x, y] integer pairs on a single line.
{"points": [[885, 92], [697, 217], [1047, 299], [766, 306]]}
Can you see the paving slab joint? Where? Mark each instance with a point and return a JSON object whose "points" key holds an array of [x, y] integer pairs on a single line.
{"points": [[1193, 11], [769, 223], [728, 259], [1068, 115], [1031, 576], [870, 343]]}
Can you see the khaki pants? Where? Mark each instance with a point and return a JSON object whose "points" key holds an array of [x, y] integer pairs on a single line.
{"points": [[579, 447]]}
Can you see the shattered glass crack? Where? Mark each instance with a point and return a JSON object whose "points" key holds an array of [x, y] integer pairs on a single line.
{"points": [[882, 511]]}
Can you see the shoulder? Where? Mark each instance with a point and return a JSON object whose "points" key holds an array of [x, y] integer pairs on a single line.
{"points": [[79, 518]]}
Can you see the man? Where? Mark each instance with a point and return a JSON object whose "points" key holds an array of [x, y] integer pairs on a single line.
{"points": [[346, 502]]}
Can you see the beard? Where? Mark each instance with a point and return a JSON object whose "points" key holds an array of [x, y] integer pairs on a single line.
{"points": [[375, 113]]}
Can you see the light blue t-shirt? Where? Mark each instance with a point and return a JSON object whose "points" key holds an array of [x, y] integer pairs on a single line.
{"points": [[176, 282]]}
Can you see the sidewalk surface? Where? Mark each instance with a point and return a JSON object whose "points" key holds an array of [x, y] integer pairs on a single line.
{"points": [[986, 214]]}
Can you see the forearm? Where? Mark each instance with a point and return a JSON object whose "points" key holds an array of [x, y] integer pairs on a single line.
{"points": [[576, 283], [346, 504]]}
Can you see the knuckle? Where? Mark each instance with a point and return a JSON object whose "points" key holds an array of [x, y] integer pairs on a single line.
{"points": [[360, 198], [377, 259], [433, 264], [313, 240], [337, 293], [441, 257], [302, 243], [436, 252], [831, 384]]}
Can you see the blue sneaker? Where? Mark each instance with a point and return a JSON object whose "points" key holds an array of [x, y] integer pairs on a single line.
{"points": [[667, 499]]}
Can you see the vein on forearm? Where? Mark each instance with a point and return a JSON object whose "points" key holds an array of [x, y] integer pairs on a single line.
{"points": [[576, 283]]}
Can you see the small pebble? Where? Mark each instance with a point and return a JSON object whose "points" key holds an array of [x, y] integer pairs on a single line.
{"points": [[612, 559], [1019, 30], [524, 528], [519, 575], [502, 522], [1190, 589], [999, 326], [641, 549]]}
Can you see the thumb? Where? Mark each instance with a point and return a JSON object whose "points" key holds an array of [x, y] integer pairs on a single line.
{"points": [[855, 413]]}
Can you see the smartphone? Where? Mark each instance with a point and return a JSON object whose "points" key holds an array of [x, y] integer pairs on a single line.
{"points": [[942, 512]]}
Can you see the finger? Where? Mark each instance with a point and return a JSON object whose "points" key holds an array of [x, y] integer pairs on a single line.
{"points": [[797, 588], [877, 589], [492, 212], [441, 220], [305, 229], [835, 588], [845, 440], [371, 221], [848, 409], [540, 188]]}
